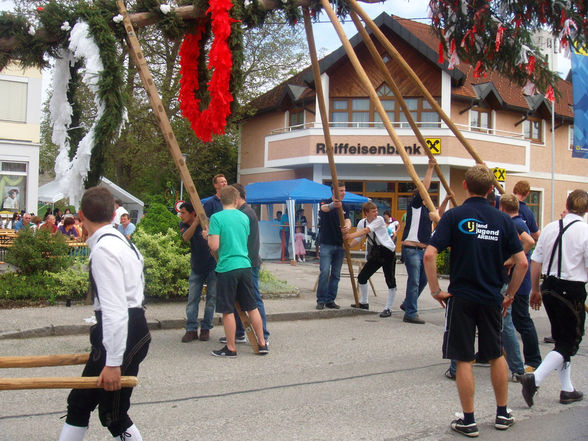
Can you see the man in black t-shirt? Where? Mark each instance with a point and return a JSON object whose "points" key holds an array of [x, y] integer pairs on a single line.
{"points": [[332, 252], [202, 266], [481, 239]]}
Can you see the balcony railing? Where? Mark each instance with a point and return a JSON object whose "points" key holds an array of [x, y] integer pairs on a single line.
{"points": [[397, 125]]}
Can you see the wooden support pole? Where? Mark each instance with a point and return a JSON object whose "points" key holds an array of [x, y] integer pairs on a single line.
{"points": [[381, 111], [136, 55], [400, 99], [327, 133], [391, 50], [59, 383], [43, 360]]}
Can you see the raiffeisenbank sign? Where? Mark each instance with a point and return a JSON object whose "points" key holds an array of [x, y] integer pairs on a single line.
{"points": [[367, 150]]}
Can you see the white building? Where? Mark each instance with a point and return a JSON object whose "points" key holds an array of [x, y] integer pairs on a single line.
{"points": [[20, 128]]}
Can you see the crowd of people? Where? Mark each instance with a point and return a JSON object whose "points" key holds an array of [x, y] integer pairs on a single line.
{"points": [[494, 280], [66, 223]]}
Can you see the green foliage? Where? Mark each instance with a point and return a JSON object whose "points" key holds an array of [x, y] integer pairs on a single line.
{"points": [[70, 283], [270, 284], [32, 287], [167, 265], [159, 220], [443, 262], [35, 252]]}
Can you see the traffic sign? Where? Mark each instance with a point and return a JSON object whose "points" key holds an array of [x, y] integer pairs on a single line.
{"points": [[177, 205]]}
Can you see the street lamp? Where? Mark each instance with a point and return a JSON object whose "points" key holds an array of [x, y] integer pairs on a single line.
{"points": [[184, 155]]}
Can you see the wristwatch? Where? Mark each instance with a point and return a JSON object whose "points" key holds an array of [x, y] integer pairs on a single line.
{"points": [[510, 297], [436, 293]]}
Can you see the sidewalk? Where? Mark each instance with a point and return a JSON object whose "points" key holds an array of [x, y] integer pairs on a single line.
{"points": [[61, 320]]}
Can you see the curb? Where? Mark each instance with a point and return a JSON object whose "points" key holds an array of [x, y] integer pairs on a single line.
{"points": [[166, 324]]}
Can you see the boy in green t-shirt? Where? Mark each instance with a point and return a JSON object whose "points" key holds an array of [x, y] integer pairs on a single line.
{"points": [[228, 233]]}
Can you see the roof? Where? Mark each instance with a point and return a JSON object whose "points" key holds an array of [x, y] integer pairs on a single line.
{"points": [[494, 89]]}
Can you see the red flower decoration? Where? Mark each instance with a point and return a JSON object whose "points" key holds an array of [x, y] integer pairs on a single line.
{"points": [[40, 9], [213, 120]]}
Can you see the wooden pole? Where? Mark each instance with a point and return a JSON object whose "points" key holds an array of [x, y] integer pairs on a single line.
{"points": [[404, 65], [327, 133], [381, 111], [400, 99], [59, 383], [136, 55], [43, 360]]}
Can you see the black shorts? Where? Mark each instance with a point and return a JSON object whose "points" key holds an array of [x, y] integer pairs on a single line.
{"points": [[462, 317], [236, 285]]}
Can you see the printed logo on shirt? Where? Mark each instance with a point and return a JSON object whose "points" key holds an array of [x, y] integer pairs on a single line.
{"points": [[473, 226]]}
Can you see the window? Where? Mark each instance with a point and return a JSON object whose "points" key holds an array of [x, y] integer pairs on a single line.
{"points": [[296, 118], [15, 93], [13, 185], [362, 112], [533, 130], [534, 204], [480, 120]]}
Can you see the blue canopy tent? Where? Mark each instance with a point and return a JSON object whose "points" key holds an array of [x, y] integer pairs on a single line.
{"points": [[290, 192]]}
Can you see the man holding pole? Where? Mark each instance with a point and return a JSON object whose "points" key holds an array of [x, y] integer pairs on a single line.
{"points": [[120, 338], [332, 251], [415, 238]]}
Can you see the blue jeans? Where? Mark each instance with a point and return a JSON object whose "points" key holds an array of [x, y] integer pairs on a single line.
{"points": [[330, 272], [260, 306], [524, 325], [417, 279], [195, 284], [511, 344]]}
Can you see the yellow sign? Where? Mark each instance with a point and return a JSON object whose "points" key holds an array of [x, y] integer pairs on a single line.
{"points": [[500, 174], [434, 145]]}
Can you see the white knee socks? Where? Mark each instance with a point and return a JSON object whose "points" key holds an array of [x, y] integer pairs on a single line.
{"points": [[552, 361], [565, 377], [131, 434], [391, 297], [72, 433], [363, 293]]}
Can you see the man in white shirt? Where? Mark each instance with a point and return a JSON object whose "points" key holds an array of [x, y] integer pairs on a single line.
{"points": [[119, 211], [561, 255], [120, 338]]}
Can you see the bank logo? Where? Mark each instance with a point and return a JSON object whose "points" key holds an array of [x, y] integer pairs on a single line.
{"points": [[499, 174], [434, 145], [468, 226]]}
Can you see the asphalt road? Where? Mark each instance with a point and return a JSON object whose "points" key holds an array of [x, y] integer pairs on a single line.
{"points": [[360, 378]]}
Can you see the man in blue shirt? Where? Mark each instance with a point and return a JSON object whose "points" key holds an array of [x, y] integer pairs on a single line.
{"points": [[521, 318], [481, 239], [24, 223], [214, 205]]}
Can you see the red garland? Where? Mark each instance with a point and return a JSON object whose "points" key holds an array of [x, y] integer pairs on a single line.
{"points": [[213, 119]]}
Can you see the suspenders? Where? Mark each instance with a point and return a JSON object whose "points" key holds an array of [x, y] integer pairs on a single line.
{"points": [[93, 287]]}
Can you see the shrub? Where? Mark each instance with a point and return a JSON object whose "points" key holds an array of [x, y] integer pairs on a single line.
{"points": [[443, 262], [158, 220], [167, 265], [71, 283], [14, 286], [35, 252]]}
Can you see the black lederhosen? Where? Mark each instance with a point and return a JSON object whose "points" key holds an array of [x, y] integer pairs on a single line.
{"points": [[112, 406], [387, 260], [564, 304]]}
